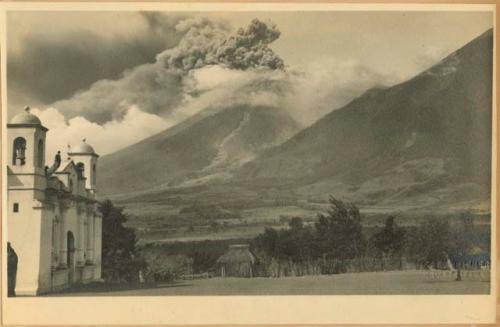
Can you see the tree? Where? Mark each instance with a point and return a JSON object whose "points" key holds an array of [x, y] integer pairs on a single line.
{"points": [[286, 245], [296, 223], [436, 241], [267, 242], [429, 243], [339, 233], [389, 242], [120, 260]]}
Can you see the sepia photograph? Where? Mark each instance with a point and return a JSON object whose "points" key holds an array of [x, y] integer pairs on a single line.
{"points": [[173, 153]]}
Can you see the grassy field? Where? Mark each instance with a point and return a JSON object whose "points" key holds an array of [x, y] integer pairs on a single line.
{"points": [[374, 283]]}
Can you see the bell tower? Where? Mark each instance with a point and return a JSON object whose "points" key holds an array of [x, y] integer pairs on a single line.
{"points": [[29, 219], [26, 150], [85, 159]]}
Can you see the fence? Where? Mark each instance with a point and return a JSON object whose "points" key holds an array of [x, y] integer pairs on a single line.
{"points": [[204, 275], [276, 268], [479, 275]]}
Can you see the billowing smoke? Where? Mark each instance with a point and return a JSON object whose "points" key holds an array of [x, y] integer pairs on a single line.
{"points": [[158, 88], [206, 43], [211, 66], [148, 86]]}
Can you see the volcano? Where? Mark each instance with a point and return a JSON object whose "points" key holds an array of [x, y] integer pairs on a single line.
{"points": [[423, 143]]}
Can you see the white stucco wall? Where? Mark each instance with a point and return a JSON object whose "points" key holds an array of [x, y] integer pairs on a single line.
{"points": [[41, 246], [24, 231]]}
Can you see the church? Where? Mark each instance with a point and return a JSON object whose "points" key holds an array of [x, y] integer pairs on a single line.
{"points": [[53, 222]]}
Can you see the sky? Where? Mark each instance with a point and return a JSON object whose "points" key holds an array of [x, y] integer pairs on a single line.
{"points": [[118, 77]]}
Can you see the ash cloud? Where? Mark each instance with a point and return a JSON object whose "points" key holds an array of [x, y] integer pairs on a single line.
{"points": [[160, 87], [210, 66], [151, 89], [206, 44], [54, 68]]}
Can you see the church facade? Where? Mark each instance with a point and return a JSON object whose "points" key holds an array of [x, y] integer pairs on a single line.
{"points": [[53, 223]]}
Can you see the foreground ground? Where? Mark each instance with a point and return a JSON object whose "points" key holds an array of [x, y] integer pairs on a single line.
{"points": [[373, 283]]}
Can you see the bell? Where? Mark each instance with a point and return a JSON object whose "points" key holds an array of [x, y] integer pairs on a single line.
{"points": [[20, 154], [19, 151]]}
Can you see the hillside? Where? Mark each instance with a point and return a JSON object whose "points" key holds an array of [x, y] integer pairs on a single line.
{"points": [[420, 146], [207, 145], [426, 141]]}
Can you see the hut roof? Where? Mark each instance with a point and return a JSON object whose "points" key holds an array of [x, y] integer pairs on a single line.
{"points": [[237, 254]]}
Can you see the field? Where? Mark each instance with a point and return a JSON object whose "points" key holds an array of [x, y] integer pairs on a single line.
{"points": [[159, 222], [373, 283]]}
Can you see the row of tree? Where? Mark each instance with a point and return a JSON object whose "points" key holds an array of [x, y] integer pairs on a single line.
{"points": [[338, 242]]}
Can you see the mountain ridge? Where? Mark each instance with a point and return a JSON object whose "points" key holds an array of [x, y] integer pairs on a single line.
{"points": [[439, 118], [425, 142]]}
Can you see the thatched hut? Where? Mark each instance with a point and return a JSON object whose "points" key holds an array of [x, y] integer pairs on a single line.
{"points": [[238, 261]]}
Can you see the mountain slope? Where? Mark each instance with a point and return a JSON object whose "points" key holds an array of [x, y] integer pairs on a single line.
{"points": [[421, 144], [211, 142], [430, 135]]}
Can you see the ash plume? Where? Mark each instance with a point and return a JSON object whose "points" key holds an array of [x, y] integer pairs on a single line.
{"points": [[158, 88], [211, 66], [207, 44]]}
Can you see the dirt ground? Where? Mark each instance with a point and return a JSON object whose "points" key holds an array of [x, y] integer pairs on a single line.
{"points": [[372, 283]]}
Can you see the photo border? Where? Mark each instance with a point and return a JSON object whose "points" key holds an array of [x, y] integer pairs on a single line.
{"points": [[250, 310]]}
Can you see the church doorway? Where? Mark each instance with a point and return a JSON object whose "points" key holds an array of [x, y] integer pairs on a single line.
{"points": [[71, 256]]}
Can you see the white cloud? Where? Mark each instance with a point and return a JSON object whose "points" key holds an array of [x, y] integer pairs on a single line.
{"points": [[210, 77], [307, 92], [429, 56], [327, 84], [219, 87], [107, 138]]}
